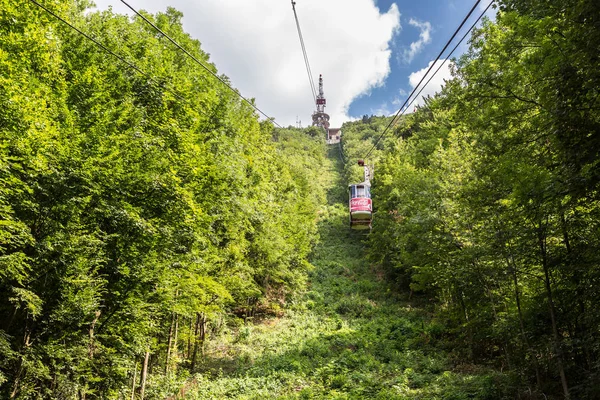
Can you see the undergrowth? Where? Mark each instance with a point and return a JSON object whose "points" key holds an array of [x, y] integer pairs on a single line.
{"points": [[349, 336]]}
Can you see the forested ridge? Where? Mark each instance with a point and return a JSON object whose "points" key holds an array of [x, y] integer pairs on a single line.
{"points": [[136, 209], [487, 197], [156, 235]]}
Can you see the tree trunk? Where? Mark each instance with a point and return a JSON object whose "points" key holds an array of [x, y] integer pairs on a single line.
{"points": [[196, 332], [581, 329], [15, 390], [199, 336], [467, 323], [21, 369], [176, 334], [202, 333], [144, 374], [497, 320], [170, 342], [91, 346], [538, 378], [133, 380], [174, 351], [556, 336], [189, 342]]}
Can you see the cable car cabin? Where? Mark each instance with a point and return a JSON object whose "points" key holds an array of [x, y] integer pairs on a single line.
{"points": [[361, 206]]}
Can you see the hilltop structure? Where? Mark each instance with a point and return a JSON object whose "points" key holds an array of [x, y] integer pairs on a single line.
{"points": [[321, 118], [334, 135]]}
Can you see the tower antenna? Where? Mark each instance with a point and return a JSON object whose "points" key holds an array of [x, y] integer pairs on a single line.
{"points": [[320, 117]]}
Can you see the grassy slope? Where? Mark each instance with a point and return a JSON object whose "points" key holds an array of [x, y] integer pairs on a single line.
{"points": [[348, 336]]}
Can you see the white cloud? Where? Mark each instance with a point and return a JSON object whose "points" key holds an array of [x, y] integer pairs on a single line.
{"points": [[255, 43], [491, 12], [397, 100], [484, 4], [436, 83], [424, 38], [383, 109]]}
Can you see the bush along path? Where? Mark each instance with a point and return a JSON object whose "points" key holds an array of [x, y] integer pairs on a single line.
{"points": [[348, 337]]}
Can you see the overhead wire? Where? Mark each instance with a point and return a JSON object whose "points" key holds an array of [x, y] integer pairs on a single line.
{"points": [[423, 78], [118, 57], [305, 54], [130, 64], [448, 57], [112, 53], [401, 111], [199, 62]]}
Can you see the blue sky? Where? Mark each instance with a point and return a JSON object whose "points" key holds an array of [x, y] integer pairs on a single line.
{"points": [[443, 17], [362, 48]]}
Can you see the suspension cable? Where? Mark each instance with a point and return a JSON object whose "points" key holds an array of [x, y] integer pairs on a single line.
{"points": [[112, 53], [423, 78], [447, 57], [199, 62], [305, 54]]}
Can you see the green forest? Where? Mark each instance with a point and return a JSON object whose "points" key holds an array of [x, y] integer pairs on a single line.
{"points": [[159, 240]]}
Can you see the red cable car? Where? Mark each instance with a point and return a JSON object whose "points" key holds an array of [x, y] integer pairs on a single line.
{"points": [[360, 203]]}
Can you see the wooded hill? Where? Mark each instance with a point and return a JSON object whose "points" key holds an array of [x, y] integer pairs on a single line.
{"points": [[487, 196], [137, 211], [144, 210]]}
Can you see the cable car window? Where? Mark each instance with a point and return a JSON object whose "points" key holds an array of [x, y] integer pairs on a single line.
{"points": [[360, 191], [367, 192], [352, 191]]}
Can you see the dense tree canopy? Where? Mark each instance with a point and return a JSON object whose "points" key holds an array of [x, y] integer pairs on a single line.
{"points": [[137, 210], [144, 206], [487, 197]]}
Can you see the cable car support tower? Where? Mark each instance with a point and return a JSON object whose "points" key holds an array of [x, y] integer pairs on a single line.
{"points": [[320, 117]]}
